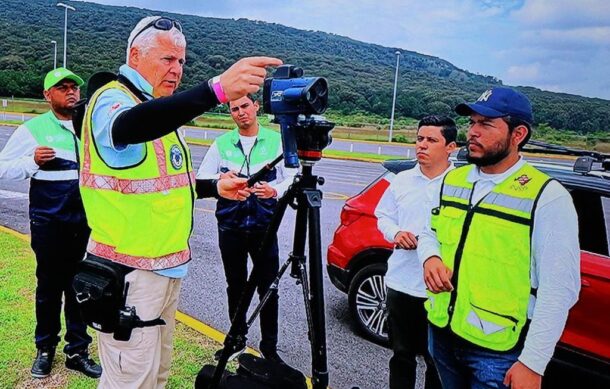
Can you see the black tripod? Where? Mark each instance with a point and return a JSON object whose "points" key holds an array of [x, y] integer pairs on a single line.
{"points": [[307, 199]]}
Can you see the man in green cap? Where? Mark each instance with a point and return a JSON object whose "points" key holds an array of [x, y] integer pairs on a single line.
{"points": [[45, 149]]}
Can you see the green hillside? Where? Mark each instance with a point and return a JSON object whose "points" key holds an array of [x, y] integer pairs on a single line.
{"points": [[360, 74]]}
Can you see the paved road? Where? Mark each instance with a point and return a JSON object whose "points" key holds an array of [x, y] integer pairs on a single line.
{"points": [[352, 360]]}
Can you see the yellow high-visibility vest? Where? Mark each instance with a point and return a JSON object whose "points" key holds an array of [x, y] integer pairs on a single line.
{"points": [[488, 247], [142, 215]]}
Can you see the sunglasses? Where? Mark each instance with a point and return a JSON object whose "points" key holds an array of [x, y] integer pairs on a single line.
{"points": [[163, 24]]}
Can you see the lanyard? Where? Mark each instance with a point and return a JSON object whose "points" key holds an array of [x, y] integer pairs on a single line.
{"points": [[246, 157]]}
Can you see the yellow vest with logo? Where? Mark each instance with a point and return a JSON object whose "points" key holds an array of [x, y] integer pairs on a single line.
{"points": [[488, 247], [141, 215]]}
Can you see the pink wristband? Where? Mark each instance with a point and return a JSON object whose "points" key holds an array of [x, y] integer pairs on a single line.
{"points": [[218, 91]]}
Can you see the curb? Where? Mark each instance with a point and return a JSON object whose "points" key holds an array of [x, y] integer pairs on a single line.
{"points": [[17, 234], [207, 330]]}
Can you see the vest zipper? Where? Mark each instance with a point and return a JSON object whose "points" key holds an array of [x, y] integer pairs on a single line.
{"points": [[76, 150], [460, 250], [193, 185]]}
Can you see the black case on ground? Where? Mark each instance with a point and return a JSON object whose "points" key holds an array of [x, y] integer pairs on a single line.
{"points": [[254, 373]]}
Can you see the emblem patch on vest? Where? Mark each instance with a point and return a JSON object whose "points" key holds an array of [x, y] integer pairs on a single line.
{"points": [[175, 155], [523, 179]]}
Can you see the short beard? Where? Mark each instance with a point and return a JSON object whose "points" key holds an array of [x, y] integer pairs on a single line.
{"points": [[64, 111], [491, 157]]}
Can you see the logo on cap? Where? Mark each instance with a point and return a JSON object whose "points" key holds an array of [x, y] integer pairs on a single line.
{"points": [[485, 96], [57, 74], [176, 157]]}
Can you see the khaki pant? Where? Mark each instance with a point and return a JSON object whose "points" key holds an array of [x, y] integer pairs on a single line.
{"points": [[144, 360]]}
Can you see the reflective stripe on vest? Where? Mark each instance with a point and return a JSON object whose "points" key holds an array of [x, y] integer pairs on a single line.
{"points": [[140, 216], [158, 263], [56, 175], [126, 186], [488, 247]]}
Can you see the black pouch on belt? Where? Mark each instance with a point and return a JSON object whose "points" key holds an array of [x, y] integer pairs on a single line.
{"points": [[99, 285]]}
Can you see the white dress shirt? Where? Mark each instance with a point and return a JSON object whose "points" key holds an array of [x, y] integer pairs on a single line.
{"points": [[405, 206]]}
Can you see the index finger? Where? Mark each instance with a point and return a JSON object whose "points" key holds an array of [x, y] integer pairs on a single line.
{"points": [[265, 61], [446, 280]]}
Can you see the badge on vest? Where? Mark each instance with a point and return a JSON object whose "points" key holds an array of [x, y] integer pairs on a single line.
{"points": [[53, 139], [175, 155], [523, 179]]}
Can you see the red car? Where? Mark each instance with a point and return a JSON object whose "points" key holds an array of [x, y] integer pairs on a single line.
{"points": [[357, 261]]}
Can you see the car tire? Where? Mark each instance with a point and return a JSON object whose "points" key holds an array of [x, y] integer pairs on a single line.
{"points": [[366, 300]]}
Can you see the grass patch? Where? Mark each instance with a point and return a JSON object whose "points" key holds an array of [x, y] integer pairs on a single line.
{"points": [[366, 157], [26, 106], [10, 122], [200, 142], [17, 321]]}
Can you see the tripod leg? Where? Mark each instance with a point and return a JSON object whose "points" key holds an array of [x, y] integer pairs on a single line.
{"points": [[318, 344], [308, 214], [236, 329]]}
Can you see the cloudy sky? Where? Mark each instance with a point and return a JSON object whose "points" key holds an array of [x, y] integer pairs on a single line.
{"points": [[556, 45]]}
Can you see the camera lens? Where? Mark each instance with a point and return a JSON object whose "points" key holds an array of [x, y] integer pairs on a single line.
{"points": [[311, 97]]}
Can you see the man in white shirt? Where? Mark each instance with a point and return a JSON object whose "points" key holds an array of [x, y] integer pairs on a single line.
{"points": [[45, 149], [402, 213], [501, 255], [242, 225]]}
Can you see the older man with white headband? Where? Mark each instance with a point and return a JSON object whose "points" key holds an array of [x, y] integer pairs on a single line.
{"points": [[138, 186]]}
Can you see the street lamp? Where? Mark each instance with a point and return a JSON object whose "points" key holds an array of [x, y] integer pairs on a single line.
{"points": [[394, 98], [66, 7], [54, 54]]}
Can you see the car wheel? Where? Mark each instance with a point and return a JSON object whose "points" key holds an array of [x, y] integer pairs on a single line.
{"points": [[366, 299]]}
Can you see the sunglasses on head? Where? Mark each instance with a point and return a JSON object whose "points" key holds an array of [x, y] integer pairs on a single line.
{"points": [[163, 24]]}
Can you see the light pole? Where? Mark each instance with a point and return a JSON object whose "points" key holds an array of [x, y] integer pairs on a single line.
{"points": [[66, 7], [54, 54], [394, 98]]}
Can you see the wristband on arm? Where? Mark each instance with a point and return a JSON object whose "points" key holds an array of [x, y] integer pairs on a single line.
{"points": [[218, 91]]}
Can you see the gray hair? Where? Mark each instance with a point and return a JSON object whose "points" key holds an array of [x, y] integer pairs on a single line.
{"points": [[145, 40]]}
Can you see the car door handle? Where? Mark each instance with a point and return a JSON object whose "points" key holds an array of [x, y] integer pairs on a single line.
{"points": [[585, 283]]}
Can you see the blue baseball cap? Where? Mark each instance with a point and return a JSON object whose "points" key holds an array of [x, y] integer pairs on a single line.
{"points": [[497, 103]]}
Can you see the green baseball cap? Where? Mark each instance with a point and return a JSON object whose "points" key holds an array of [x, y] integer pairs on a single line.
{"points": [[56, 75]]}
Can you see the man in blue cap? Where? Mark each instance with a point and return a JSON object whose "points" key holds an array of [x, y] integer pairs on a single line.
{"points": [[45, 149], [501, 276]]}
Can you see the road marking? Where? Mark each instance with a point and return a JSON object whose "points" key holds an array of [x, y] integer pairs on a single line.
{"points": [[8, 194], [360, 184], [335, 196], [205, 210]]}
